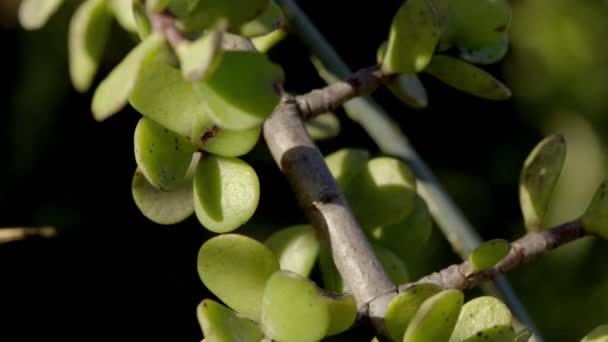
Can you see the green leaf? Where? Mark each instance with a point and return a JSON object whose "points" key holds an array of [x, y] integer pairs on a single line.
{"points": [[164, 207], [296, 247], [266, 42], [484, 319], [242, 91], [162, 155], [413, 37], [393, 265], [88, 33], [407, 237], [270, 20], [436, 318], [198, 58], [236, 268], [112, 93], [123, 11], [409, 89], [142, 22], [293, 309], [538, 178], [392, 186], [33, 14], [324, 126], [226, 193], [467, 78], [524, 336], [158, 6], [488, 254], [206, 13], [595, 218], [162, 94], [342, 312], [401, 309], [487, 54], [599, 334], [182, 8], [346, 164], [220, 324], [329, 273], [227, 143]]}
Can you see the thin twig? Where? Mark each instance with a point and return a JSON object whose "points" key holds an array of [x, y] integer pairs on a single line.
{"points": [[22, 233]]}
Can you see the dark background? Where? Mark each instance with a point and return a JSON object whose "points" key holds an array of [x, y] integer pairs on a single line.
{"points": [[112, 274]]}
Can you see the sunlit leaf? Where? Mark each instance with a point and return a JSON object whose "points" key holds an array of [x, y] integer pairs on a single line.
{"points": [[293, 309], [401, 309], [225, 142], [342, 312], [198, 58], [220, 324], [393, 265], [142, 22], [33, 14], [595, 218], [296, 247], [413, 37], [182, 8], [266, 42], [324, 126], [112, 93], [123, 11], [409, 89], [236, 268], [488, 254], [487, 54], [436, 318], [599, 334], [538, 178], [467, 78], [484, 319], [87, 37], [226, 193], [271, 19], [524, 336], [206, 13], [346, 164]]}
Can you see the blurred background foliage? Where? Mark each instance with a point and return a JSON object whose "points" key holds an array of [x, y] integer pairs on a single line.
{"points": [[112, 273]]}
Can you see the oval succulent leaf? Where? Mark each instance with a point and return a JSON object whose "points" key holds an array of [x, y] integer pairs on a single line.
{"points": [[467, 78], [158, 6], [484, 318], [391, 185], [436, 318], [226, 193], [599, 334], [206, 13], [522, 336], [413, 37], [487, 54], [409, 89], [329, 273], [266, 42], [225, 142], [393, 265], [162, 155], [123, 12], [112, 93], [142, 22], [324, 126], [488, 254], [538, 178], [164, 207], [33, 14], [402, 309], [88, 33], [198, 58], [220, 324], [346, 164], [595, 218], [236, 269], [342, 312], [293, 309], [242, 91], [182, 8], [270, 20], [296, 247]]}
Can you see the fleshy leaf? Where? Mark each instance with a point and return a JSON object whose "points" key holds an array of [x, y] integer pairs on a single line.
{"points": [[436, 318], [391, 185], [123, 11], [488, 254], [484, 318], [409, 89], [595, 218], [112, 93], [296, 247], [158, 6], [182, 8], [226, 193], [538, 178], [467, 78], [220, 324], [342, 312], [33, 14], [346, 164], [524, 336], [88, 33], [227, 143], [271, 19], [293, 309], [324, 126], [393, 265], [164, 207], [206, 13], [198, 58], [401, 309], [413, 37], [329, 273], [266, 42], [162, 155], [487, 54], [599, 334], [142, 22], [242, 91], [236, 269]]}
